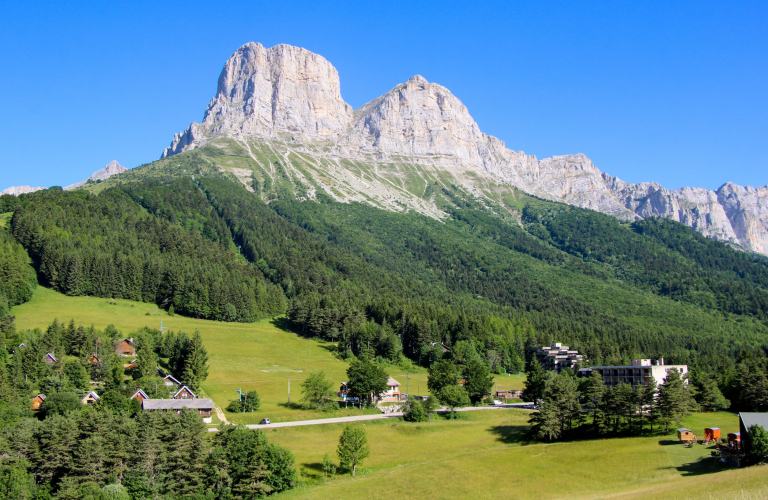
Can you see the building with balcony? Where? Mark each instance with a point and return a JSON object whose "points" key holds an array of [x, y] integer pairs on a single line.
{"points": [[639, 372]]}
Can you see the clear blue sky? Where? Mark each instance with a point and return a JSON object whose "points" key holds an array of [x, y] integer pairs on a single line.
{"points": [[673, 92]]}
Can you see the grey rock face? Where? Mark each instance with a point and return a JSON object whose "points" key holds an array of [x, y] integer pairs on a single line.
{"points": [[268, 93], [112, 168], [263, 92], [17, 190]]}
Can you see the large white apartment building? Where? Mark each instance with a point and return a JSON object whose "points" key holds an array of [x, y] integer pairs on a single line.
{"points": [[639, 372]]}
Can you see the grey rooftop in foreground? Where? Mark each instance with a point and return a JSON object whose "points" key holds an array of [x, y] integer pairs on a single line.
{"points": [[177, 404]]}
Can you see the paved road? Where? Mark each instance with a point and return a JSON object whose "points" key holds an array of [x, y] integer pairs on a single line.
{"points": [[362, 418]]}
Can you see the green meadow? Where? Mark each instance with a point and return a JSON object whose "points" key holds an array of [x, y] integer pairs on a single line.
{"points": [[484, 455], [481, 455], [249, 356]]}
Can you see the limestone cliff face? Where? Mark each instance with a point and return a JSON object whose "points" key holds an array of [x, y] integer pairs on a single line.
{"points": [[263, 92], [17, 190], [112, 168], [288, 93]]}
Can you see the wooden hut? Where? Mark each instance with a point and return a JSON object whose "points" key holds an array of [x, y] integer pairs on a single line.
{"points": [[90, 398], [184, 393], [711, 434], [139, 395], [685, 435], [37, 402]]}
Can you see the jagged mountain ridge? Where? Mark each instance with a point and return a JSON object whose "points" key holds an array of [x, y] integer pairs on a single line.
{"points": [[290, 96], [112, 168]]}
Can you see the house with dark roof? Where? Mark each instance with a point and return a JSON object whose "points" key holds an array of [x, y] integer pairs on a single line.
{"points": [[746, 421], [203, 406], [184, 393]]}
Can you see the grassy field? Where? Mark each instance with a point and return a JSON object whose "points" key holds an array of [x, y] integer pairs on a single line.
{"points": [[483, 455], [248, 356]]}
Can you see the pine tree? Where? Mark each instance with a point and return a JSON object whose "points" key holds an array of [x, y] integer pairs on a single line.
{"points": [[195, 362], [674, 401], [535, 382]]}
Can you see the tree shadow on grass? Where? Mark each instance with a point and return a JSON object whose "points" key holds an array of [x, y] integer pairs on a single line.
{"points": [[284, 324], [510, 434], [705, 465]]}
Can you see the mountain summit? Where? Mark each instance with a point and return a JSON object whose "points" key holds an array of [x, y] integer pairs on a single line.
{"points": [[288, 99]]}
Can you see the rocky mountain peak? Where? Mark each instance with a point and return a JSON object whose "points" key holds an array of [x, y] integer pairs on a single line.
{"points": [[112, 168], [263, 92], [268, 93]]}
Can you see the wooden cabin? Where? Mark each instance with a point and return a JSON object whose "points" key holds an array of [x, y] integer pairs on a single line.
{"points": [[184, 393], [125, 348], [203, 406], [90, 398], [139, 395], [37, 402], [49, 359], [170, 381], [711, 434], [685, 435], [93, 359]]}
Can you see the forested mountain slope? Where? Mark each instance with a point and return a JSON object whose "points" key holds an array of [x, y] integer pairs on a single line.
{"points": [[186, 235]]}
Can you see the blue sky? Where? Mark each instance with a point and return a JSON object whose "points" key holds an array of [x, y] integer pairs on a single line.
{"points": [[673, 92]]}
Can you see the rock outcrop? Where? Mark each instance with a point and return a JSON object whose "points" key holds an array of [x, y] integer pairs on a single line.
{"points": [[263, 92], [288, 93], [112, 168], [17, 190]]}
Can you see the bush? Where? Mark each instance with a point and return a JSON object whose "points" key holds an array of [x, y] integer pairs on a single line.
{"points": [[414, 411], [60, 403], [250, 402]]}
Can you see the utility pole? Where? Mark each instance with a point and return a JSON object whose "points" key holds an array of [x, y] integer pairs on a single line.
{"points": [[245, 403], [408, 384]]}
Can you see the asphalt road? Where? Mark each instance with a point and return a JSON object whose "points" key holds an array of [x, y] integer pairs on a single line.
{"points": [[362, 418]]}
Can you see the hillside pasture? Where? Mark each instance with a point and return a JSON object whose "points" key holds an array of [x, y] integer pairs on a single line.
{"points": [[257, 356]]}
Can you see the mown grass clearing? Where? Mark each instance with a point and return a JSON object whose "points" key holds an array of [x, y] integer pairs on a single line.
{"points": [[249, 356], [483, 455]]}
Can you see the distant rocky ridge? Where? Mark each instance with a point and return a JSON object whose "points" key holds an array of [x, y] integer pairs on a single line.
{"points": [[17, 190], [290, 94], [112, 168]]}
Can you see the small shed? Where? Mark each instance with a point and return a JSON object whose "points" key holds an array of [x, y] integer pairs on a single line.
{"points": [[93, 359], [49, 359], [37, 402], [90, 398], [685, 435], [711, 434]]}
